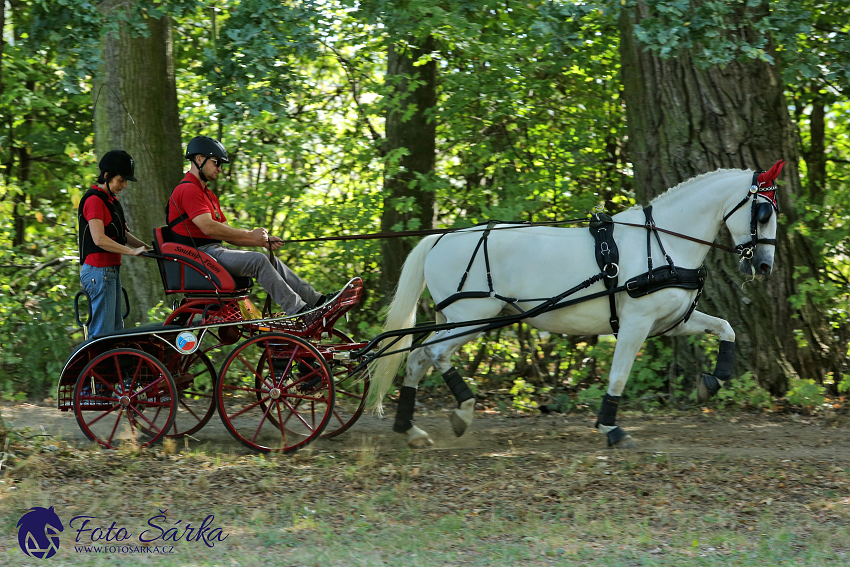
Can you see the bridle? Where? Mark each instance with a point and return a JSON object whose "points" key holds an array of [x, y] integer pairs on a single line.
{"points": [[760, 214]]}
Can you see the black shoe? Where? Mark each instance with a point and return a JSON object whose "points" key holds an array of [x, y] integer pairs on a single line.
{"points": [[304, 309], [324, 298]]}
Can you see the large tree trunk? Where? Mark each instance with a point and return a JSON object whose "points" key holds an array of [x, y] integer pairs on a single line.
{"points": [[684, 121], [140, 70], [406, 204]]}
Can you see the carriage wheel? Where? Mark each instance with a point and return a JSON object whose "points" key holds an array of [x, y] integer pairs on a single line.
{"points": [[350, 393], [275, 393], [195, 378], [125, 396]]}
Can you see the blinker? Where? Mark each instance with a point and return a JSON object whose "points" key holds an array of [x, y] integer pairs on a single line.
{"points": [[764, 212]]}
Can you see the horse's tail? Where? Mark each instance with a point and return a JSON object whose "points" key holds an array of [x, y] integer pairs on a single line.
{"points": [[402, 314]]}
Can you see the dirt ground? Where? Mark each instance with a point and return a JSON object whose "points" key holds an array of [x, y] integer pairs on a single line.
{"points": [[699, 433], [703, 488]]}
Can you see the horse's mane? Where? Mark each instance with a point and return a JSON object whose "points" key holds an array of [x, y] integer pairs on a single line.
{"points": [[688, 183]]}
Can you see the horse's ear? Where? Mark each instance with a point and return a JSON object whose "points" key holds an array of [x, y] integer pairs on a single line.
{"points": [[767, 178]]}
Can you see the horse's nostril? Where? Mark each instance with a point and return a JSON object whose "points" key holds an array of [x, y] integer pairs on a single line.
{"points": [[765, 268]]}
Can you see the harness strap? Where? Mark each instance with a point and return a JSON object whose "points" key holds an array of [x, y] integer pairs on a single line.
{"points": [[652, 229], [483, 239], [607, 257]]}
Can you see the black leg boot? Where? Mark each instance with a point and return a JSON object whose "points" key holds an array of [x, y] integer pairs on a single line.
{"points": [[461, 417], [617, 437], [709, 384], [404, 413]]}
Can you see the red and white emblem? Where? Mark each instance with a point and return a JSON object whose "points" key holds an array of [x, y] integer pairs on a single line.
{"points": [[186, 342]]}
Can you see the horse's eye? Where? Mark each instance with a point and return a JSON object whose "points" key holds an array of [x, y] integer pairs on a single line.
{"points": [[763, 213]]}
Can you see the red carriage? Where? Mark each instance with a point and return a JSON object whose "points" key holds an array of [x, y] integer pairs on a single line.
{"points": [[284, 382]]}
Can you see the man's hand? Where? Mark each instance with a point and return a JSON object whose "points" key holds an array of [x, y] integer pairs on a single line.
{"points": [[276, 242], [139, 250], [260, 236]]}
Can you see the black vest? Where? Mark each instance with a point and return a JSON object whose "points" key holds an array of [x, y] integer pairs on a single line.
{"points": [[114, 230]]}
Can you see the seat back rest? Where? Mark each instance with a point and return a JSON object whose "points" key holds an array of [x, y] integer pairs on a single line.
{"points": [[186, 269]]}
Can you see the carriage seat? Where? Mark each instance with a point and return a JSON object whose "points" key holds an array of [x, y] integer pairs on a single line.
{"points": [[191, 271]]}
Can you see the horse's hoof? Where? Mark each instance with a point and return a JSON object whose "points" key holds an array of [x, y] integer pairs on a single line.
{"points": [[625, 443], [462, 417], [707, 386], [418, 439], [420, 442], [458, 424], [619, 439]]}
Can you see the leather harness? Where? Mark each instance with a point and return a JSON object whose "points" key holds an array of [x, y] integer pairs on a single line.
{"points": [[607, 257]]}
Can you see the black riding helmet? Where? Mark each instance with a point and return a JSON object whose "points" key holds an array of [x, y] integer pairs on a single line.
{"points": [[207, 147], [117, 162]]}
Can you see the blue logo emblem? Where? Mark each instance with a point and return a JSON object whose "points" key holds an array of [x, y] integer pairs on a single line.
{"points": [[38, 532]]}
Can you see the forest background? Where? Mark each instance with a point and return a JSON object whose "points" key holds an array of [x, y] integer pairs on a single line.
{"points": [[347, 117]]}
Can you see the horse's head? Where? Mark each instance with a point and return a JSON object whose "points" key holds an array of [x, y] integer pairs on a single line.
{"points": [[752, 223]]}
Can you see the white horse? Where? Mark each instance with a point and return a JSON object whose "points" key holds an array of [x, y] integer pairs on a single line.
{"points": [[542, 262]]}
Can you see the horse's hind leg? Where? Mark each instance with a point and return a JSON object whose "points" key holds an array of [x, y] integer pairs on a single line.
{"points": [[441, 354], [418, 364], [710, 384]]}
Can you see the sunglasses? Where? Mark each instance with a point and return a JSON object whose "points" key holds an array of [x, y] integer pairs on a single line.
{"points": [[216, 162]]}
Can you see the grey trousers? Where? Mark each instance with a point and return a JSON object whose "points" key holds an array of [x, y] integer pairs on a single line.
{"points": [[287, 289]]}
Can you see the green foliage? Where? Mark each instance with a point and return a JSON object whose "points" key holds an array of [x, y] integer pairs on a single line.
{"points": [[743, 392], [530, 126], [807, 394]]}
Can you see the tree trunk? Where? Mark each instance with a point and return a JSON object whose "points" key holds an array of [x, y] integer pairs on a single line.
{"points": [[140, 71], [406, 204], [684, 121], [816, 156]]}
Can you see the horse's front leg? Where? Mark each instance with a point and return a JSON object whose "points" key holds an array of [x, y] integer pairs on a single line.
{"points": [[710, 384], [629, 341]]}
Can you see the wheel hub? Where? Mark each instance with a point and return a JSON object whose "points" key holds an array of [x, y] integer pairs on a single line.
{"points": [[274, 393], [124, 401]]}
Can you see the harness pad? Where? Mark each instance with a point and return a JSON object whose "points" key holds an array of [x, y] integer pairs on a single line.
{"points": [[664, 277]]}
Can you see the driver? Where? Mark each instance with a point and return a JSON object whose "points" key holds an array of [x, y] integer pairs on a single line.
{"points": [[194, 211]]}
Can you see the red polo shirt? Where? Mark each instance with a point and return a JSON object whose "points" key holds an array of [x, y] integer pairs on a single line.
{"points": [[94, 208], [194, 199]]}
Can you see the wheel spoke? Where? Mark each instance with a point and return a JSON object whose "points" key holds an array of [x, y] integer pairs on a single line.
{"points": [[244, 389], [114, 427], [182, 403], [104, 414], [262, 420], [282, 428], [100, 379], [148, 387], [255, 404], [305, 397], [254, 372], [150, 423], [135, 375], [296, 414], [302, 378]]}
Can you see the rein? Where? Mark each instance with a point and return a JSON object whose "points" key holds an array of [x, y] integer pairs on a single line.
{"points": [[680, 235], [428, 232]]}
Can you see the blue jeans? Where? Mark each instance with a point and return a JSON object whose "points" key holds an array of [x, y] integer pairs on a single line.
{"points": [[104, 288]]}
